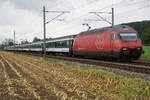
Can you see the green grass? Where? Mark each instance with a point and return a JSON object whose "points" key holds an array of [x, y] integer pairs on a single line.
{"points": [[146, 55]]}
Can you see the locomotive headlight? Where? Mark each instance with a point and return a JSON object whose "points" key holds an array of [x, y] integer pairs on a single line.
{"points": [[124, 49], [138, 48]]}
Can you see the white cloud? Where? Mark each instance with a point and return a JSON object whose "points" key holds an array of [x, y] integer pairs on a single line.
{"points": [[25, 16], [22, 21]]}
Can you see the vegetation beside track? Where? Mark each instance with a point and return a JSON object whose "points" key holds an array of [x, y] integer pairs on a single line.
{"points": [[71, 82], [146, 55]]}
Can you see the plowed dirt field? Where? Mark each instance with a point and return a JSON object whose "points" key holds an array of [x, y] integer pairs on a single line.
{"points": [[24, 78]]}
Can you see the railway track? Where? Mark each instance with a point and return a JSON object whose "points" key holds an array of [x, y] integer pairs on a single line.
{"points": [[138, 67], [140, 63]]}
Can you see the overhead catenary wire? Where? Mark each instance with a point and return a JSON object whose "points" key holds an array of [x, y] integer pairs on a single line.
{"points": [[118, 5], [131, 3], [67, 28], [131, 10]]}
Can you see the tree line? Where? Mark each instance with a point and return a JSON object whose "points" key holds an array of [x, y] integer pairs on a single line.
{"points": [[143, 28]]}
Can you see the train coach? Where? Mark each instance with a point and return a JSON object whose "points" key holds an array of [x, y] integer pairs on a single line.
{"points": [[120, 41], [61, 45]]}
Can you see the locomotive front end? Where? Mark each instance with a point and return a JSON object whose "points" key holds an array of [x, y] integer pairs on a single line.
{"points": [[131, 46]]}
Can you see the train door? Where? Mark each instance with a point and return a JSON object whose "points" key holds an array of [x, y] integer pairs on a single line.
{"points": [[114, 43], [42, 45], [70, 47]]}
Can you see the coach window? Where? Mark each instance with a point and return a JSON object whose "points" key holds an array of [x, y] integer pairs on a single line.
{"points": [[56, 44], [61, 43], [71, 42], [53, 44], [64, 44], [39, 45], [67, 43], [35, 45], [50, 44]]}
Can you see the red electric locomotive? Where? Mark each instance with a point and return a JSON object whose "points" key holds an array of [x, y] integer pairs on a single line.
{"points": [[120, 41]]}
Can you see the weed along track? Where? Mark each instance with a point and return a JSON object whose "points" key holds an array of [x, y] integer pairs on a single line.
{"points": [[24, 78]]}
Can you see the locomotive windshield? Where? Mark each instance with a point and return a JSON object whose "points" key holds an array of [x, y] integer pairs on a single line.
{"points": [[128, 36]]}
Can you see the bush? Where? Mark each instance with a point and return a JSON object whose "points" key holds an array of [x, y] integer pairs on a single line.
{"points": [[146, 36]]}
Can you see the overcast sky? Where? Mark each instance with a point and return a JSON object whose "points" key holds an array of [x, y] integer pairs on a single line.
{"points": [[25, 16]]}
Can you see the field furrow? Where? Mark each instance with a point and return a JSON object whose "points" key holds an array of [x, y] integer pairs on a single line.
{"points": [[20, 85], [36, 79], [47, 79], [16, 86]]}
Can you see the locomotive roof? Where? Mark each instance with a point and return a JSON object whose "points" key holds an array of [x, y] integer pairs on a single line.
{"points": [[107, 29]]}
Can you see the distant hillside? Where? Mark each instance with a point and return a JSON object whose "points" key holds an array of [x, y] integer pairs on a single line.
{"points": [[139, 26]]}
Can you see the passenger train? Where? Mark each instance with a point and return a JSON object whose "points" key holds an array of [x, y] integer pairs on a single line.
{"points": [[120, 42]]}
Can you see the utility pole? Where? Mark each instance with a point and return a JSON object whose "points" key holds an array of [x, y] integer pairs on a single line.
{"points": [[44, 29], [44, 24], [14, 38], [102, 18], [112, 17]]}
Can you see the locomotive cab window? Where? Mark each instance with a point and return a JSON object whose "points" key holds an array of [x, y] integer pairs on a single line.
{"points": [[129, 37]]}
